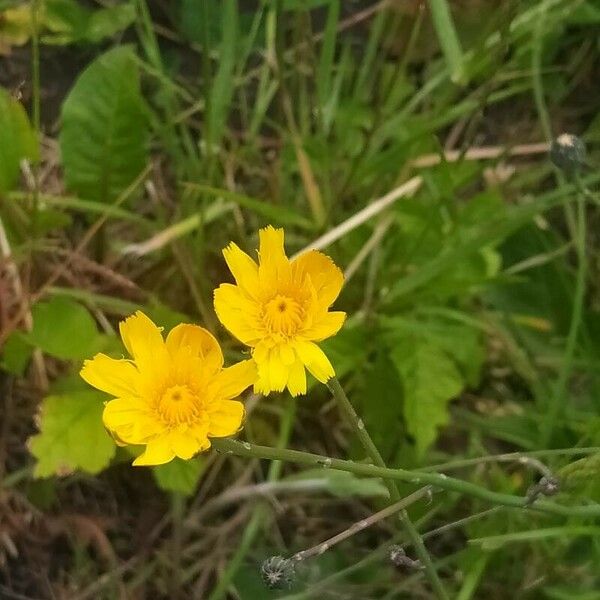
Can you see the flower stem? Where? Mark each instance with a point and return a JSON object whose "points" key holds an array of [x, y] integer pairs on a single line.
{"points": [[259, 514], [557, 399], [439, 480], [363, 435]]}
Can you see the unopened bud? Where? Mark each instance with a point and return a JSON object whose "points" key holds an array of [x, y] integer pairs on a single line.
{"points": [[277, 572], [399, 559], [546, 486], [568, 153]]}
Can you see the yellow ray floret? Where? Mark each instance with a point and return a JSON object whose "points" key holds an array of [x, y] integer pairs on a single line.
{"points": [[280, 308], [174, 394]]}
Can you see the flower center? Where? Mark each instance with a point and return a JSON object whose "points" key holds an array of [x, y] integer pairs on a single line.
{"points": [[178, 404], [282, 314]]}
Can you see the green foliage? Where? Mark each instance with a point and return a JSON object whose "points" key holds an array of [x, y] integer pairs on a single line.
{"points": [[343, 484], [179, 476], [63, 328], [18, 140], [15, 354], [582, 477], [71, 435], [430, 380], [106, 104], [67, 21]]}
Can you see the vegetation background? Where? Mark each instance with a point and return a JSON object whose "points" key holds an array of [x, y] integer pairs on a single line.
{"points": [[137, 138]]}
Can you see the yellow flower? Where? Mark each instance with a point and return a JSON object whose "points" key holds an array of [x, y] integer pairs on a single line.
{"points": [[280, 308], [174, 394]]}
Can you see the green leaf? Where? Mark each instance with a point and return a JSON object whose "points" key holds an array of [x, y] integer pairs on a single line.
{"points": [[430, 380], [15, 354], [582, 477], [179, 475], [70, 22], [71, 435], [106, 104], [223, 84], [63, 328], [381, 406], [17, 140]]}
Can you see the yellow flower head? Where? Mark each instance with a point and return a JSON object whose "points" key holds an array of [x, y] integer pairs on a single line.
{"points": [[280, 308], [174, 394]]}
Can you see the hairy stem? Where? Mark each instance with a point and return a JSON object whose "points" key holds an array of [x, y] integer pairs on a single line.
{"points": [[359, 428], [439, 480]]}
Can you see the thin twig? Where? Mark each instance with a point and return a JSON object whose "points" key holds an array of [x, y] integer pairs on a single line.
{"points": [[392, 509]]}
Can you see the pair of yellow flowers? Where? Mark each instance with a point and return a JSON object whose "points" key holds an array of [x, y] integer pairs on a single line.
{"points": [[174, 394]]}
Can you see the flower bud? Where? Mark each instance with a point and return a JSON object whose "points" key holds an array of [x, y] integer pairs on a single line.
{"points": [[546, 486], [568, 153], [277, 572], [399, 559]]}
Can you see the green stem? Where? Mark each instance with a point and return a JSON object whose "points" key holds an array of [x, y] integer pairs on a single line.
{"points": [[451, 484], [556, 403], [363, 435], [35, 104], [259, 513], [448, 39]]}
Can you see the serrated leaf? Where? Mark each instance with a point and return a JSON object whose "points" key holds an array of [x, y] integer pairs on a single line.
{"points": [[72, 435], [63, 328], [430, 380], [106, 104], [17, 140], [582, 477], [179, 475], [382, 405]]}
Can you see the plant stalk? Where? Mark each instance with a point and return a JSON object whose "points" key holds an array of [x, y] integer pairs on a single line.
{"points": [[439, 480], [363, 435]]}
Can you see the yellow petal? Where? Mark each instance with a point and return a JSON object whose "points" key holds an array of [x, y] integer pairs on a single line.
{"points": [[325, 276], [232, 381], [297, 379], [158, 452], [130, 420], [115, 377], [274, 267], [262, 385], [143, 341], [238, 314], [287, 354], [225, 418], [201, 343], [243, 269], [278, 372], [325, 326], [183, 444], [315, 360]]}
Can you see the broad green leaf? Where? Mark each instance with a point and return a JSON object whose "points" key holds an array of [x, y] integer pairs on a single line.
{"points": [[68, 21], [582, 477], [381, 405], [15, 354], [430, 379], [63, 328], [179, 475], [106, 104], [442, 332], [71, 435], [17, 140]]}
